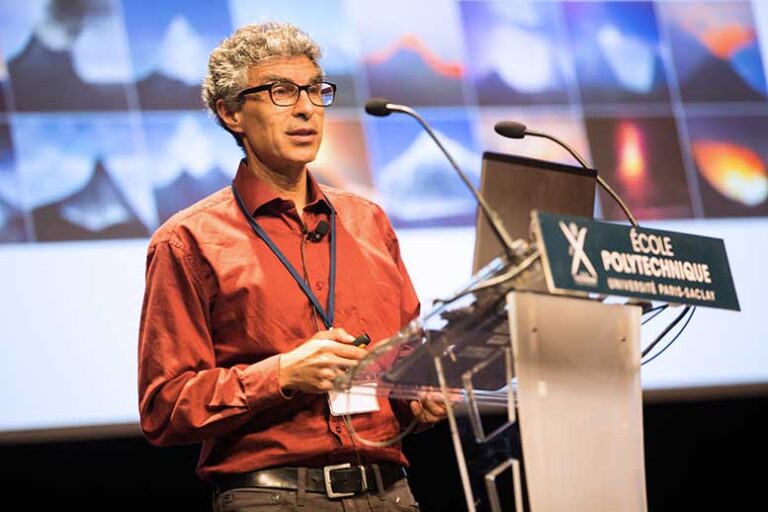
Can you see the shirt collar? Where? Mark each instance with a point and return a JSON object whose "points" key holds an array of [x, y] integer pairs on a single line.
{"points": [[258, 194]]}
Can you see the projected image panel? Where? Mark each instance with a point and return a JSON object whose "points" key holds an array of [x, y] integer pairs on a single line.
{"points": [[170, 42], [716, 51], [561, 122], [731, 160], [326, 23], [342, 161], [411, 51], [65, 55], [189, 157], [415, 183], [4, 85], [616, 52], [12, 220], [515, 52], [82, 176], [640, 158]]}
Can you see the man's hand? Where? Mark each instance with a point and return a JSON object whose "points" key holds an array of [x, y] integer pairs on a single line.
{"points": [[312, 366], [429, 409]]}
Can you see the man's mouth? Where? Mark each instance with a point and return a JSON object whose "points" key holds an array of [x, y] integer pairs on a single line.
{"points": [[302, 133]]}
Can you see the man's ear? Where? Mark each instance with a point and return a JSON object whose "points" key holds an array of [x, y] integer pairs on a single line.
{"points": [[229, 118]]}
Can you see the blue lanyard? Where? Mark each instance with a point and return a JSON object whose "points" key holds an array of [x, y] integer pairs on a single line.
{"points": [[327, 317]]}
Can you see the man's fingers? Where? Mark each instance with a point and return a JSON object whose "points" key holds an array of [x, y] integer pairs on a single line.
{"points": [[335, 334], [427, 410]]}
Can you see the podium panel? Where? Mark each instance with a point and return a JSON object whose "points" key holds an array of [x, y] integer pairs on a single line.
{"points": [[579, 401]]}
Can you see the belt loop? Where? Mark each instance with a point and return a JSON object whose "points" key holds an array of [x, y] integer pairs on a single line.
{"points": [[301, 491], [379, 481]]}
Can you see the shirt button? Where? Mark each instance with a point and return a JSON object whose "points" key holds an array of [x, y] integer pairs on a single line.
{"points": [[319, 285]]}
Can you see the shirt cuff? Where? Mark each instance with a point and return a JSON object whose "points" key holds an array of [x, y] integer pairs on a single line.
{"points": [[262, 388]]}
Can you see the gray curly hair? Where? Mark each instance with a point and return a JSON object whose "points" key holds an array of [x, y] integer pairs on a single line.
{"points": [[229, 62]]}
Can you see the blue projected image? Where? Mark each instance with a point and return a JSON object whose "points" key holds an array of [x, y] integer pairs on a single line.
{"points": [[189, 158], [65, 57], [96, 189], [515, 53], [616, 50], [12, 226], [416, 185], [170, 42]]}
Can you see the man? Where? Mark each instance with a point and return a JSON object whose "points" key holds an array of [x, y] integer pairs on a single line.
{"points": [[255, 295]]}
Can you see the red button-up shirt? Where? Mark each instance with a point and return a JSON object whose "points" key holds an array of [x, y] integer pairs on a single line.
{"points": [[220, 307]]}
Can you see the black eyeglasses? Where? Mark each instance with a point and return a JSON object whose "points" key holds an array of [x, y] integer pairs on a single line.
{"points": [[286, 93]]}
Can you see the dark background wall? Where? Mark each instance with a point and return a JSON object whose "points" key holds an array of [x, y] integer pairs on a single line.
{"points": [[700, 455]]}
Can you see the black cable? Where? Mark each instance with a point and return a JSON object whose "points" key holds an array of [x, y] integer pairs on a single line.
{"points": [[687, 308], [671, 325], [656, 312]]}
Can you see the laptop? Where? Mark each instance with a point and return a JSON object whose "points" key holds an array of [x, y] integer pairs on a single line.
{"points": [[514, 185]]}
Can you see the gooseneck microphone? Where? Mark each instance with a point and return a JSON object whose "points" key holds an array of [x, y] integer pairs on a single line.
{"points": [[515, 130], [382, 107], [319, 232]]}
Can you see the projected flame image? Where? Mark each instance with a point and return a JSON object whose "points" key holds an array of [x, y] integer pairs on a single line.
{"points": [[641, 157], [734, 171], [732, 164]]}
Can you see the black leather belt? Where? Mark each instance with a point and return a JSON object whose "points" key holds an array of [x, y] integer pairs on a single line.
{"points": [[337, 481]]}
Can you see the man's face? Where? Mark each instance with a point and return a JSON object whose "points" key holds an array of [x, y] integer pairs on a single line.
{"points": [[281, 138]]}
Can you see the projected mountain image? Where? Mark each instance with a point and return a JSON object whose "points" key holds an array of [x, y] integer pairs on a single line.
{"points": [[11, 224], [409, 72], [418, 187], [44, 79], [640, 158], [174, 83], [98, 210], [721, 64], [3, 85], [620, 82], [732, 164], [186, 190]]}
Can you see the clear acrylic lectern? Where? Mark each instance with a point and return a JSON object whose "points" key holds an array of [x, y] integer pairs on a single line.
{"points": [[566, 369]]}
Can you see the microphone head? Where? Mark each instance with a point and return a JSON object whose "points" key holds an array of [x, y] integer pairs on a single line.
{"points": [[322, 228], [510, 129], [378, 107]]}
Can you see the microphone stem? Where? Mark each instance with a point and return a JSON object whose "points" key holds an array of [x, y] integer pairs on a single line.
{"points": [[493, 220], [600, 180]]}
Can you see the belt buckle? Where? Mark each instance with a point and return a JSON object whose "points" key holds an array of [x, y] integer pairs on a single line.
{"points": [[327, 479]]}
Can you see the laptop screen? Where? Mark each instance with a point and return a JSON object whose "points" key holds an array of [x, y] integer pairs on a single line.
{"points": [[515, 185]]}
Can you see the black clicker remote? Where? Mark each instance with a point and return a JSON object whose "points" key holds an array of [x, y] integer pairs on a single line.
{"points": [[362, 341]]}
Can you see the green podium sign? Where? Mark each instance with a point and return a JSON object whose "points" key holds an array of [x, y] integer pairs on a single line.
{"points": [[581, 254]]}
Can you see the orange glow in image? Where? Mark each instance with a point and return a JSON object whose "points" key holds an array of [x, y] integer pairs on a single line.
{"points": [[412, 43], [632, 168], [727, 40], [735, 171]]}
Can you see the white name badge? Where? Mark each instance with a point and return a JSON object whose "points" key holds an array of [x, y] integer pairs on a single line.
{"points": [[357, 399]]}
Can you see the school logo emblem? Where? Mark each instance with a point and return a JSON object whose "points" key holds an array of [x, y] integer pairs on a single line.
{"points": [[582, 270]]}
